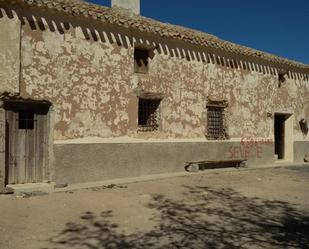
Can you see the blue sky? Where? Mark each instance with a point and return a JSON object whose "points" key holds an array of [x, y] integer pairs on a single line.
{"points": [[277, 26]]}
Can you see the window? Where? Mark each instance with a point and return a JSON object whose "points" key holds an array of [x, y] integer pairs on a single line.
{"points": [[281, 78], [25, 120], [148, 116], [141, 57], [304, 126], [216, 125]]}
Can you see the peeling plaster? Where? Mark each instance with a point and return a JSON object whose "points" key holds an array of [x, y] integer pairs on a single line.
{"points": [[9, 54], [92, 85]]}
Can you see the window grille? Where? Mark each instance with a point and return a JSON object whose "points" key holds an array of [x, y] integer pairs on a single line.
{"points": [[148, 116], [26, 120], [215, 122]]}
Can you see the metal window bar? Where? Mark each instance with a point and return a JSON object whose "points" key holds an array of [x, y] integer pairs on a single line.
{"points": [[215, 122], [148, 119]]}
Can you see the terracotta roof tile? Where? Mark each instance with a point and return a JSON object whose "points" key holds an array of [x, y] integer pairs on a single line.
{"points": [[120, 17]]}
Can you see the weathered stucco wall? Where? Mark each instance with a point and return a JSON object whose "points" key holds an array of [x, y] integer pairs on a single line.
{"points": [[251, 95], [92, 85], [88, 82], [9, 52], [87, 71]]}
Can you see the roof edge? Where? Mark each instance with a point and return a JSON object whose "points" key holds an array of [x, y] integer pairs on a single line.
{"points": [[115, 16]]}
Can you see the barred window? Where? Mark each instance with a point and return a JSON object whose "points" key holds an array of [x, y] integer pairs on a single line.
{"points": [[26, 120], [215, 122], [148, 114]]}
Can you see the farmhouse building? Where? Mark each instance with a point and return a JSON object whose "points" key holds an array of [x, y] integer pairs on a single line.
{"points": [[92, 93]]}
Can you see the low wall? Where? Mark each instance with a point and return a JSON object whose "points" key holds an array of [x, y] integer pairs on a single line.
{"points": [[76, 163], [301, 149]]}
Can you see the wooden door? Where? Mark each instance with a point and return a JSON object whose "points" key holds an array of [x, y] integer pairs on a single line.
{"points": [[25, 147]]}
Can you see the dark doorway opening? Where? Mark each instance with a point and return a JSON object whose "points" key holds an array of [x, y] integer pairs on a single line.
{"points": [[7, 155], [280, 135]]}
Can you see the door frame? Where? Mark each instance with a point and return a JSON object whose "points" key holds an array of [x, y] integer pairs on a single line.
{"points": [[49, 162], [288, 140]]}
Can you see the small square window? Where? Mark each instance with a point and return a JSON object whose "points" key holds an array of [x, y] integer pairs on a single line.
{"points": [[25, 120], [141, 57], [148, 116]]}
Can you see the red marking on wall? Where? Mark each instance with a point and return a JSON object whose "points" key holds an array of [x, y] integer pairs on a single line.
{"points": [[249, 148]]}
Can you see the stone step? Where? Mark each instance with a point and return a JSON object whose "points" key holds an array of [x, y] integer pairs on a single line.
{"points": [[32, 188]]}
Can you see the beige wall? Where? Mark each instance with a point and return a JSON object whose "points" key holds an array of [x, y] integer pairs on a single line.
{"points": [[9, 53], [88, 82], [251, 95], [93, 87], [2, 150]]}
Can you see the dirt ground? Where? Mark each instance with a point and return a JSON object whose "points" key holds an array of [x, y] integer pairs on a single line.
{"points": [[247, 208]]}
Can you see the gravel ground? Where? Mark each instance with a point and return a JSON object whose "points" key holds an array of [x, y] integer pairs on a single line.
{"points": [[246, 208]]}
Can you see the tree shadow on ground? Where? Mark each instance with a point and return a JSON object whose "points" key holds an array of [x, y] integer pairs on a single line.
{"points": [[202, 218]]}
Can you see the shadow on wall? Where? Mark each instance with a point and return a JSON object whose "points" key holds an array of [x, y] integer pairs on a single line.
{"points": [[203, 218], [103, 33]]}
